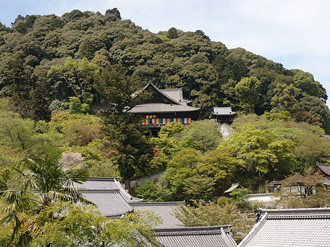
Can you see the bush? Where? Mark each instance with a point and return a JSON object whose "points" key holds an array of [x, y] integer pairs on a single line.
{"points": [[222, 201]]}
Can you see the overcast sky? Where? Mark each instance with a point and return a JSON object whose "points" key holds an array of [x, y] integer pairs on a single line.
{"points": [[294, 33]]}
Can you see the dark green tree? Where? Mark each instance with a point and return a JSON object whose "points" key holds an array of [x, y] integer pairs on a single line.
{"points": [[20, 88], [172, 33], [124, 128], [39, 104]]}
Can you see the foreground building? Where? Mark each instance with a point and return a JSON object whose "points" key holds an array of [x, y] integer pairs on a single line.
{"points": [[210, 236], [114, 201], [163, 107], [290, 227]]}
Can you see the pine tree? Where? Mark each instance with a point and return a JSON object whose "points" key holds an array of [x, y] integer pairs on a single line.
{"points": [[20, 88], [40, 109]]}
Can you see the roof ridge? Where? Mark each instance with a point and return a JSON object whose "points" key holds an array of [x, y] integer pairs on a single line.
{"points": [[164, 94], [195, 228], [144, 203], [102, 178], [99, 190], [228, 240], [253, 231], [292, 217], [188, 233]]}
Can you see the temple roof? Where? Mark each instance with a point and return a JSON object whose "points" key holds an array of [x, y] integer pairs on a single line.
{"points": [[234, 187], [110, 203], [176, 94], [165, 211], [113, 200], [290, 227], [211, 236], [162, 108], [163, 101], [223, 111], [325, 168]]}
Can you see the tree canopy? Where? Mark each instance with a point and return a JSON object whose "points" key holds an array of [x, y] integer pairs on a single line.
{"points": [[65, 55]]}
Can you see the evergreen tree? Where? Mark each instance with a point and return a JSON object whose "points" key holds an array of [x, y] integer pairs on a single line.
{"points": [[40, 108], [20, 88], [134, 149]]}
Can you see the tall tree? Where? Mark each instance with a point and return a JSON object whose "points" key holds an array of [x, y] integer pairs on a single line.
{"points": [[39, 103], [248, 92], [134, 149], [20, 88]]}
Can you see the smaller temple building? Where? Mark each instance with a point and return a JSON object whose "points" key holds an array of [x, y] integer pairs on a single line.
{"points": [[223, 114], [163, 107]]}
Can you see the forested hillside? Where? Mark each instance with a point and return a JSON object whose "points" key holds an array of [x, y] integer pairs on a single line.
{"points": [[66, 85], [44, 60]]}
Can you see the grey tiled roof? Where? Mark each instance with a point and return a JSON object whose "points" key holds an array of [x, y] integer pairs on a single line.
{"points": [[216, 236], [110, 203], [105, 183], [291, 227], [324, 168], [162, 108], [164, 209], [223, 111], [108, 195], [174, 93], [98, 183]]}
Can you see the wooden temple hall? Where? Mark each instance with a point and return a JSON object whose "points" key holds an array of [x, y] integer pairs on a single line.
{"points": [[163, 107]]}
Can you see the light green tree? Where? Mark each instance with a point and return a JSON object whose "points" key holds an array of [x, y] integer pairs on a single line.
{"points": [[262, 152], [67, 224], [79, 75], [201, 135], [248, 92], [286, 98]]}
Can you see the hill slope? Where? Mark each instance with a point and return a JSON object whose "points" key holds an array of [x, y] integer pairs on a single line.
{"points": [[207, 71]]}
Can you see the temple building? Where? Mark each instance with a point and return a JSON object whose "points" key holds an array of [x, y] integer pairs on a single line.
{"points": [[163, 107], [114, 202], [223, 114], [290, 227]]}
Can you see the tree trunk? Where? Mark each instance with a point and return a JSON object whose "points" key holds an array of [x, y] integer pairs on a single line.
{"points": [[128, 185]]}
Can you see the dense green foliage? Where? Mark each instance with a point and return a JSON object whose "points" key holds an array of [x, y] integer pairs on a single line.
{"points": [[62, 56], [66, 85], [56, 214], [259, 150]]}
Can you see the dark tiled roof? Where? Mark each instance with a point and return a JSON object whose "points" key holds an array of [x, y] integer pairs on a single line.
{"points": [[324, 168], [164, 209], [290, 227], [219, 236]]}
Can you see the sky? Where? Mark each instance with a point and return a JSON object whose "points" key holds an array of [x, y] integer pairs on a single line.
{"points": [[294, 33]]}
